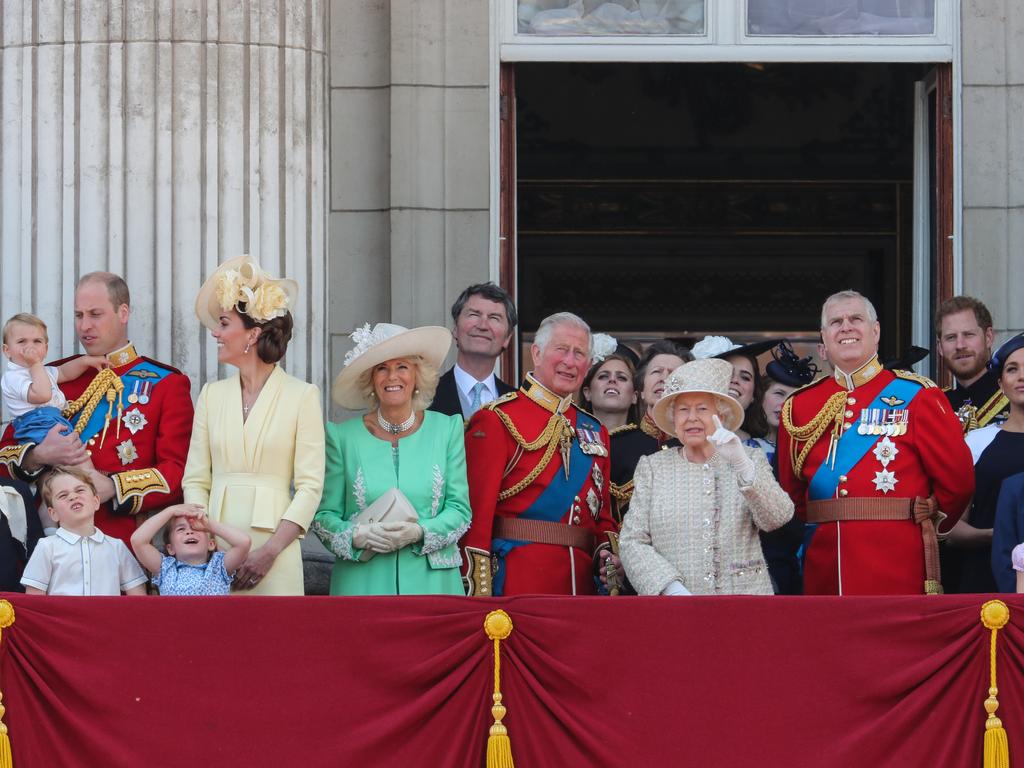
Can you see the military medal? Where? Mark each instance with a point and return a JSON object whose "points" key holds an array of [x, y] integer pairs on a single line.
{"points": [[594, 503], [144, 397], [885, 451], [133, 398], [134, 420], [598, 475], [885, 481], [127, 452]]}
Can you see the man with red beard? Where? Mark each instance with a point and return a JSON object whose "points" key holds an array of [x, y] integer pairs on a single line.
{"points": [[873, 458], [538, 470], [963, 327]]}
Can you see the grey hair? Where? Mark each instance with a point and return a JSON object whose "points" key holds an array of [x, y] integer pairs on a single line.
{"points": [[547, 327], [427, 377], [849, 294], [724, 412]]}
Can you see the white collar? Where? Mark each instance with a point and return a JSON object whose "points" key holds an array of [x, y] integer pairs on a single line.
{"points": [[466, 381], [74, 538]]}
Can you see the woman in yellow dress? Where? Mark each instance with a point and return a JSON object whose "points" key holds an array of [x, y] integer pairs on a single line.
{"points": [[259, 434]]}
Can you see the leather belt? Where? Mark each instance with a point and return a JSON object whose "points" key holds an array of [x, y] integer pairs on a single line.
{"points": [[923, 511], [543, 532]]}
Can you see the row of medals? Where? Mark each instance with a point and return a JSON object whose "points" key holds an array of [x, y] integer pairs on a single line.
{"points": [[879, 421]]}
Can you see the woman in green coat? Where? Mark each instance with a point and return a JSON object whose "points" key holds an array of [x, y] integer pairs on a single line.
{"points": [[396, 445]]}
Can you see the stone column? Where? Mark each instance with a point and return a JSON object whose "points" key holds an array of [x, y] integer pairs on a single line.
{"points": [[993, 157], [155, 139]]}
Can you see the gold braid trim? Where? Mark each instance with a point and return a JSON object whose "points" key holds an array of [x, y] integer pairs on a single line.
{"points": [[831, 414], [106, 384], [622, 492], [557, 430]]}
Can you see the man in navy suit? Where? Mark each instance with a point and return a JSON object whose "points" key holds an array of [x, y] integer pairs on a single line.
{"points": [[485, 319]]}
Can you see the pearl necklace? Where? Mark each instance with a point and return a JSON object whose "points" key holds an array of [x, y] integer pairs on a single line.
{"points": [[395, 429]]}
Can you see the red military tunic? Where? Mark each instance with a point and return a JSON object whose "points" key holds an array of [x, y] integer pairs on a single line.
{"points": [[509, 478], [925, 456], [144, 451]]}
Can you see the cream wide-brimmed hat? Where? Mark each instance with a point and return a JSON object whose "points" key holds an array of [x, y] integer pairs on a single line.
{"points": [[383, 342], [241, 281], [710, 376]]}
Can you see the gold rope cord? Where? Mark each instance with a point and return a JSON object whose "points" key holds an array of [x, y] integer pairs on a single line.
{"points": [[996, 753], [105, 385], [830, 414], [557, 429]]}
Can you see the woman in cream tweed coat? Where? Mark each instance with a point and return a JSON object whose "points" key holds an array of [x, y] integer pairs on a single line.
{"points": [[692, 526]]}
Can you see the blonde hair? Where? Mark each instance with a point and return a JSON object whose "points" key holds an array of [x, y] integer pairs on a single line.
{"points": [[24, 318], [46, 483], [427, 377]]}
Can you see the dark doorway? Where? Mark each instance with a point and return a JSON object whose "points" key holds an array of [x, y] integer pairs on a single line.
{"points": [[682, 199]]}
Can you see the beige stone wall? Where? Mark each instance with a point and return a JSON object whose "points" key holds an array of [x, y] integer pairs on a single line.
{"points": [[409, 161], [993, 157]]}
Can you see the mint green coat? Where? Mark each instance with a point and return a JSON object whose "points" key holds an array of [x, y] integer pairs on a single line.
{"points": [[431, 473]]}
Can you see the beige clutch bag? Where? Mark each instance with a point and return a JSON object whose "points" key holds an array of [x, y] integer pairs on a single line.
{"points": [[390, 507]]}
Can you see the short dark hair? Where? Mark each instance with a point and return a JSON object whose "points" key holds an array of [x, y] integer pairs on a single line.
{"points": [[274, 336], [117, 288], [959, 304], [491, 292]]}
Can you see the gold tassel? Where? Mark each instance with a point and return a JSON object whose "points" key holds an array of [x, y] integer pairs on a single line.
{"points": [[994, 615], [498, 626], [6, 619]]}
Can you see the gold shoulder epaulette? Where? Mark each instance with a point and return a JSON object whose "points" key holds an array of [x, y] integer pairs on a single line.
{"points": [[924, 381], [506, 398], [947, 389], [624, 428], [588, 413]]}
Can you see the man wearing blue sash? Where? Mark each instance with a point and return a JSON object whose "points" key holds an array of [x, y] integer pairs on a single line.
{"points": [[538, 472], [133, 420], [876, 459]]}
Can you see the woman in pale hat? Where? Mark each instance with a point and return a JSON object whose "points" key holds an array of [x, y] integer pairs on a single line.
{"points": [[696, 510], [258, 434], [399, 453]]}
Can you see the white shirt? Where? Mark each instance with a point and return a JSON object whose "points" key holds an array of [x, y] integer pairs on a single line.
{"points": [[15, 386], [69, 564], [465, 382]]}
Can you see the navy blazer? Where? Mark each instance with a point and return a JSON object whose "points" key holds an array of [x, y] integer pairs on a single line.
{"points": [[446, 399]]}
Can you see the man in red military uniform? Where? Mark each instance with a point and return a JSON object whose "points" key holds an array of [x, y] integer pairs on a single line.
{"points": [[132, 420], [874, 458], [538, 473]]}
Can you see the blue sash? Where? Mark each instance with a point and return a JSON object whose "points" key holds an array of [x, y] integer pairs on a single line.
{"points": [[553, 501], [150, 373], [853, 446]]}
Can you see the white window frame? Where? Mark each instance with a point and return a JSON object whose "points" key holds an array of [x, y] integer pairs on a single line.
{"points": [[725, 39]]}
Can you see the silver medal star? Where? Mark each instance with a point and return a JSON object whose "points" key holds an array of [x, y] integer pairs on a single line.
{"points": [[885, 481], [885, 451]]}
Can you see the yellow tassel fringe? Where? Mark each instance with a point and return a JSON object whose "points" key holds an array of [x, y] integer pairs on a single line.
{"points": [[498, 626], [6, 619], [994, 615]]}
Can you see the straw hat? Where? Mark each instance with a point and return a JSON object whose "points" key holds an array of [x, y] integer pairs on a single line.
{"points": [[709, 377], [386, 342], [241, 281]]}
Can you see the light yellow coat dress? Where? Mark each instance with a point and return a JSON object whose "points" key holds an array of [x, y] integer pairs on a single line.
{"points": [[244, 473]]}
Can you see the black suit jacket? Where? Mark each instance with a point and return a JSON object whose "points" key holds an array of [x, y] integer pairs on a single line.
{"points": [[446, 399]]}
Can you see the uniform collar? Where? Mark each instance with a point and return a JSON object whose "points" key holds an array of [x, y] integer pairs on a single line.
{"points": [[123, 356], [864, 374], [543, 396], [648, 427], [74, 538], [981, 390]]}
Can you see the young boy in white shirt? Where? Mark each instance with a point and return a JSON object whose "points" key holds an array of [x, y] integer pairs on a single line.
{"points": [[79, 559], [30, 391]]}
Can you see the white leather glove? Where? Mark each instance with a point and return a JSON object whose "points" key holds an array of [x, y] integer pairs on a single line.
{"points": [[372, 536], [402, 534], [730, 448], [675, 588]]}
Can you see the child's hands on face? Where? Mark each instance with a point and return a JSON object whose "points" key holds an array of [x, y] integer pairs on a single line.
{"points": [[33, 356], [196, 514]]}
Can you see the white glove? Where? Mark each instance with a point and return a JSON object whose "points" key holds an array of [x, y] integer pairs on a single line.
{"points": [[402, 534], [730, 448], [675, 588], [372, 536], [1017, 557]]}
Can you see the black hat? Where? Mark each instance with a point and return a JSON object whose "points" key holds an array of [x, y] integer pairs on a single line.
{"points": [[786, 368], [1008, 348], [910, 357]]}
